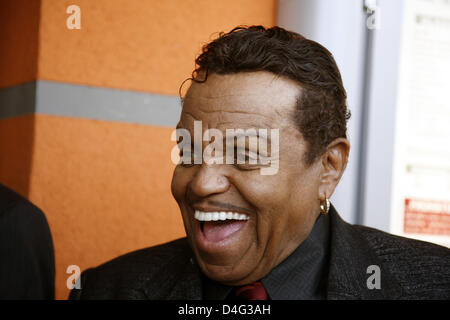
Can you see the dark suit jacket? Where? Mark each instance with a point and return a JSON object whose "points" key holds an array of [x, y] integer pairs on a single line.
{"points": [[27, 265], [410, 269]]}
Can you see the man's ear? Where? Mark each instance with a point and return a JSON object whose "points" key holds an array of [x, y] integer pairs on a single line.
{"points": [[333, 163]]}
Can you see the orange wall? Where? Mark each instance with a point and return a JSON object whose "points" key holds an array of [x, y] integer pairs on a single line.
{"points": [[16, 151], [140, 45], [19, 28], [105, 186]]}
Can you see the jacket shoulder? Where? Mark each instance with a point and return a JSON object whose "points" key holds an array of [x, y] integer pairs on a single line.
{"points": [[11, 201], [125, 276], [26, 249], [421, 268]]}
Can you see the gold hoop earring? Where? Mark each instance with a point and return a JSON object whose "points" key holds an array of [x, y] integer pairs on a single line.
{"points": [[325, 206]]}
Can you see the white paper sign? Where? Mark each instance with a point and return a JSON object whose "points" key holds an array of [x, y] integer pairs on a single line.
{"points": [[421, 171]]}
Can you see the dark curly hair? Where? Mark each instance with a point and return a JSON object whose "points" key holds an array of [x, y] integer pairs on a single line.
{"points": [[321, 113]]}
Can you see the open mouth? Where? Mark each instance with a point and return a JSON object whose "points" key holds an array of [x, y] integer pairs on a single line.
{"points": [[218, 226]]}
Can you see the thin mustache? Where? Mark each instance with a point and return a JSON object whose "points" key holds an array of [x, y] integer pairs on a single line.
{"points": [[228, 207]]}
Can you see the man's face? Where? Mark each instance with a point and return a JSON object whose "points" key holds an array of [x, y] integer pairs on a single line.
{"points": [[281, 208]]}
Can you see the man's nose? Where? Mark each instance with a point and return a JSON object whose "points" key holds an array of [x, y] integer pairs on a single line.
{"points": [[209, 180]]}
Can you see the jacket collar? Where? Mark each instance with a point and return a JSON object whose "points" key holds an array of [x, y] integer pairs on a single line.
{"points": [[350, 256]]}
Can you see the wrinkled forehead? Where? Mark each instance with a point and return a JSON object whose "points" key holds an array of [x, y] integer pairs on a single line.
{"points": [[261, 98]]}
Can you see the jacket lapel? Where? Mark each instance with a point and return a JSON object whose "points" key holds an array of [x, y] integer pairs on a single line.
{"points": [[179, 279], [188, 285], [350, 256]]}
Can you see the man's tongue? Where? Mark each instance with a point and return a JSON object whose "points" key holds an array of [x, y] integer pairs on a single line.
{"points": [[216, 231]]}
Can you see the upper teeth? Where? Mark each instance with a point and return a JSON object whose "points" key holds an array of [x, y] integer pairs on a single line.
{"points": [[216, 216]]}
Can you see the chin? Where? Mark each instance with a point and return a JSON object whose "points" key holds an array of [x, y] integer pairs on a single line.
{"points": [[232, 274], [224, 275]]}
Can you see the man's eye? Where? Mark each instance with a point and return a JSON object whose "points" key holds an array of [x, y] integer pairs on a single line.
{"points": [[246, 160]]}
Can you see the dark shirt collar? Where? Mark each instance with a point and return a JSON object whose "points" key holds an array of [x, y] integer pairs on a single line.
{"points": [[302, 275]]}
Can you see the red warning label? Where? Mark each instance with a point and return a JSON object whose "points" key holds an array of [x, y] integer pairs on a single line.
{"points": [[427, 217]]}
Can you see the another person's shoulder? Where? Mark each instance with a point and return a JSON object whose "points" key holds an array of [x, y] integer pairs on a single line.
{"points": [[20, 215], [26, 249], [125, 276], [11, 200], [422, 268]]}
